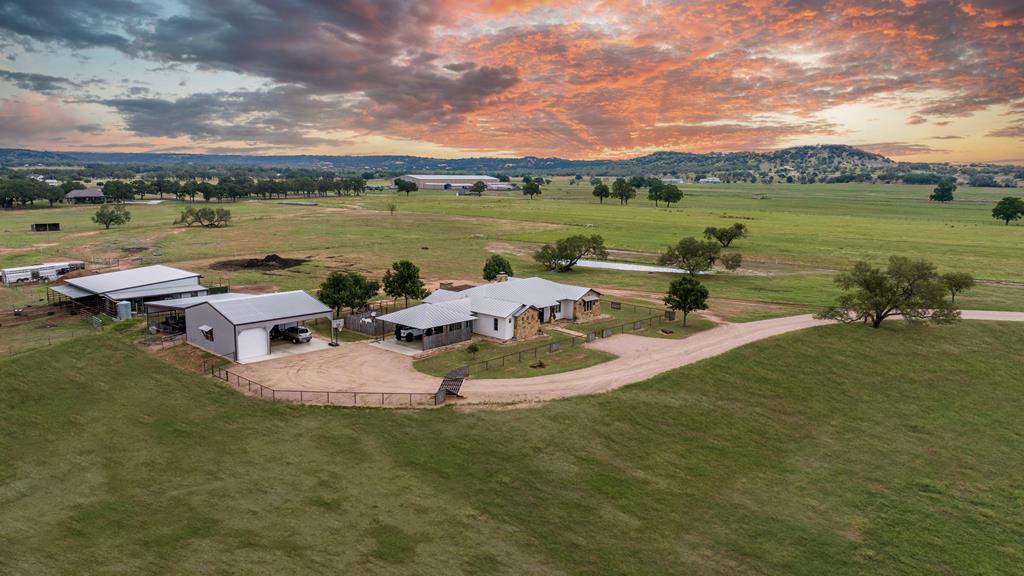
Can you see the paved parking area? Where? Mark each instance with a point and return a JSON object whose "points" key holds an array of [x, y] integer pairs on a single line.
{"points": [[285, 349], [411, 349]]}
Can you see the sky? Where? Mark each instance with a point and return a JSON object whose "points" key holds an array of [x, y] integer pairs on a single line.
{"points": [[916, 80]]}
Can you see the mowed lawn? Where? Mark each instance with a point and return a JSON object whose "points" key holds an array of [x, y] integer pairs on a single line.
{"points": [[838, 450]]}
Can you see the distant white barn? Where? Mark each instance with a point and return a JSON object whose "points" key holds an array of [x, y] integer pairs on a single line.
{"points": [[710, 180], [448, 181]]}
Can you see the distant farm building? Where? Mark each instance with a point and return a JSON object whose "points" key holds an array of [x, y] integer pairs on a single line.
{"points": [[90, 196], [448, 182], [710, 180], [123, 293]]}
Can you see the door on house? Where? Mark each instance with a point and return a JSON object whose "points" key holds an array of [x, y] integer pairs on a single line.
{"points": [[540, 312]]}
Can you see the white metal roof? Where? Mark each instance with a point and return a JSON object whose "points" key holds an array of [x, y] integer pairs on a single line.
{"points": [[182, 303], [158, 290], [504, 299], [42, 266], [248, 309], [127, 279], [425, 316], [449, 177], [70, 291]]}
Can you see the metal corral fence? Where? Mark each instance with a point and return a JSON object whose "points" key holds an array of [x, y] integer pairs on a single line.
{"points": [[554, 346], [325, 397], [363, 320]]}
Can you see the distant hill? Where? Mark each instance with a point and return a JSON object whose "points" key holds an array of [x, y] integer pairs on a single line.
{"points": [[657, 162], [801, 164]]}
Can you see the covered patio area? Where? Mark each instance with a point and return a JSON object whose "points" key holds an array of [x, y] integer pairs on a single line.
{"points": [[432, 325]]}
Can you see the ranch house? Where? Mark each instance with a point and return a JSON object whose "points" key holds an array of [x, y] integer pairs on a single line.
{"points": [[510, 308]]}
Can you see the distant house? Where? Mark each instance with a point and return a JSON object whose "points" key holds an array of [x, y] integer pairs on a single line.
{"points": [[511, 308], [448, 181], [710, 180], [89, 196]]}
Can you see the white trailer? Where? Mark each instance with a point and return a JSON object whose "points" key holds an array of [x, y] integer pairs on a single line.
{"points": [[44, 272]]}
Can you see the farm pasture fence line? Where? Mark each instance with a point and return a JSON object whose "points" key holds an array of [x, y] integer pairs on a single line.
{"points": [[323, 397], [46, 342]]}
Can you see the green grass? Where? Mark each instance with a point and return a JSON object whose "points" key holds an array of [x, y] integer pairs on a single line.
{"points": [[799, 237], [838, 450]]}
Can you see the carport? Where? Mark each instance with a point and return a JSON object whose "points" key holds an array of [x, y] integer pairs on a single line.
{"points": [[238, 326], [442, 324]]}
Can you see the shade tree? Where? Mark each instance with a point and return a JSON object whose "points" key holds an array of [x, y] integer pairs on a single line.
{"points": [[908, 288], [567, 252], [686, 294]]}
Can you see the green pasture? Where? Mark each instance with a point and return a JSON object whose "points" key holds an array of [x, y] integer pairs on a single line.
{"points": [[800, 236], [840, 450]]}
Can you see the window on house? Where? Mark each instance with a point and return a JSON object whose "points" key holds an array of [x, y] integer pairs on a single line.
{"points": [[207, 332], [495, 323], [588, 305], [558, 308]]}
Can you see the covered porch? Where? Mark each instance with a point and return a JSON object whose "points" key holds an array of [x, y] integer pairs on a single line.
{"points": [[433, 326]]}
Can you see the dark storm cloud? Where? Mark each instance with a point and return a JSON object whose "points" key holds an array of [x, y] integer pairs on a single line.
{"points": [[37, 82], [280, 117], [74, 23]]}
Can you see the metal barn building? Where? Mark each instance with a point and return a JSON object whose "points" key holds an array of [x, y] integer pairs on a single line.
{"points": [[448, 181], [103, 292], [238, 326]]}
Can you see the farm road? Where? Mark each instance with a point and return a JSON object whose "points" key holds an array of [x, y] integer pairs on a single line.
{"points": [[359, 366]]}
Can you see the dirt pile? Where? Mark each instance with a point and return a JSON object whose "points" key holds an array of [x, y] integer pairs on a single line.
{"points": [[269, 262]]}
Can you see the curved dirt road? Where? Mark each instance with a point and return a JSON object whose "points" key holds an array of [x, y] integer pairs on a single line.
{"points": [[641, 358], [360, 367]]}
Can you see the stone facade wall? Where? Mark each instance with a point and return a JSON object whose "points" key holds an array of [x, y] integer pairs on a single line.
{"points": [[527, 324], [581, 315]]}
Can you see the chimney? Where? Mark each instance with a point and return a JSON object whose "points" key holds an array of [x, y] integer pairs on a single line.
{"points": [[445, 285], [501, 277]]}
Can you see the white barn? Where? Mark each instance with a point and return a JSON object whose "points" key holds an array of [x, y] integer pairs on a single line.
{"points": [[448, 181]]}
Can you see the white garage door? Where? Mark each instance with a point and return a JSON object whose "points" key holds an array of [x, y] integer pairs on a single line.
{"points": [[252, 343]]}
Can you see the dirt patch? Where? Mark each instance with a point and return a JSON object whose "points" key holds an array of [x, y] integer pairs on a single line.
{"points": [[39, 246], [269, 262], [254, 288], [506, 248]]}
